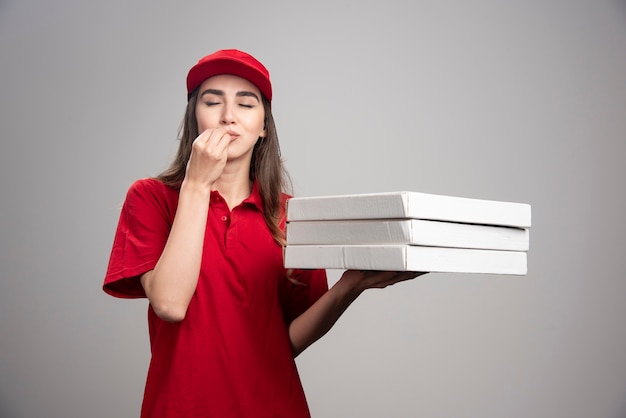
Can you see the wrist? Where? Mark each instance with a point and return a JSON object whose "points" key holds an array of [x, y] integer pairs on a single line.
{"points": [[191, 187], [351, 284]]}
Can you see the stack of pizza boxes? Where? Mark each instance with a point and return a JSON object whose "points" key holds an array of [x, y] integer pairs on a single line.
{"points": [[407, 231]]}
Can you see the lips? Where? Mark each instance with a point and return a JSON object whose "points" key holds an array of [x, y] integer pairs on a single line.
{"points": [[233, 135]]}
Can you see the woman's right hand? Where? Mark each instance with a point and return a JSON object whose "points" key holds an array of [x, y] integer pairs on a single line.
{"points": [[208, 157]]}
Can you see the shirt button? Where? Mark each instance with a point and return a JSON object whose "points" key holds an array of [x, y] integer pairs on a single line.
{"points": [[224, 218]]}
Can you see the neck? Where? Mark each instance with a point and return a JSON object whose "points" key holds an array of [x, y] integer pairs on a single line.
{"points": [[234, 184]]}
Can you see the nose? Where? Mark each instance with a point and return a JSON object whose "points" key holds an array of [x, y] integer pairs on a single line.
{"points": [[228, 114]]}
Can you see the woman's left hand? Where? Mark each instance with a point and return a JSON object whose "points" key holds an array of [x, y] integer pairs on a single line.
{"points": [[364, 279]]}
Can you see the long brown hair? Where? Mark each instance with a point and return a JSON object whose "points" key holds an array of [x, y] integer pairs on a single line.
{"points": [[266, 166]]}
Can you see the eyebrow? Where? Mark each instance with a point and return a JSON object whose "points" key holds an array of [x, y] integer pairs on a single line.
{"points": [[243, 93]]}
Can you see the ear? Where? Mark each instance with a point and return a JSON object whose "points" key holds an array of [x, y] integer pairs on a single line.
{"points": [[263, 133]]}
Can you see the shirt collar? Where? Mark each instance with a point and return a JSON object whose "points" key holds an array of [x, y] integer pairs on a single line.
{"points": [[253, 200], [255, 197]]}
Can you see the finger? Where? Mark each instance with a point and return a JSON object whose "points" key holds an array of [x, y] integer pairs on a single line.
{"points": [[210, 135], [204, 136], [212, 142], [388, 274], [383, 279], [399, 277], [408, 275], [218, 141], [413, 274], [200, 142], [377, 279]]}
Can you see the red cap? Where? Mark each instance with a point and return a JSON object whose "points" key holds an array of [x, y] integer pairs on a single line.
{"points": [[230, 61]]}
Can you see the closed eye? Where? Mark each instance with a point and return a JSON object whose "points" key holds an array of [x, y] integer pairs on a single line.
{"points": [[249, 99]]}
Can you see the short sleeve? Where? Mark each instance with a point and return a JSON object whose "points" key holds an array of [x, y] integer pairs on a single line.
{"points": [[142, 231], [303, 289]]}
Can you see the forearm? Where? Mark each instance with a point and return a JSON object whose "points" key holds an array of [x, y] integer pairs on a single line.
{"points": [[172, 283], [316, 321], [323, 314]]}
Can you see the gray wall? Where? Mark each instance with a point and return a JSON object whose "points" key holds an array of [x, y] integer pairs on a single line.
{"points": [[517, 101]]}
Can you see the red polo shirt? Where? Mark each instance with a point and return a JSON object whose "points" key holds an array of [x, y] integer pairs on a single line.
{"points": [[231, 355]]}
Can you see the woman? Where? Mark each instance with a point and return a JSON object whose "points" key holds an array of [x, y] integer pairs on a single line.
{"points": [[203, 242]]}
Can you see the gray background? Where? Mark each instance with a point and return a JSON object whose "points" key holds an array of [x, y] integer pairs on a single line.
{"points": [[504, 100]]}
